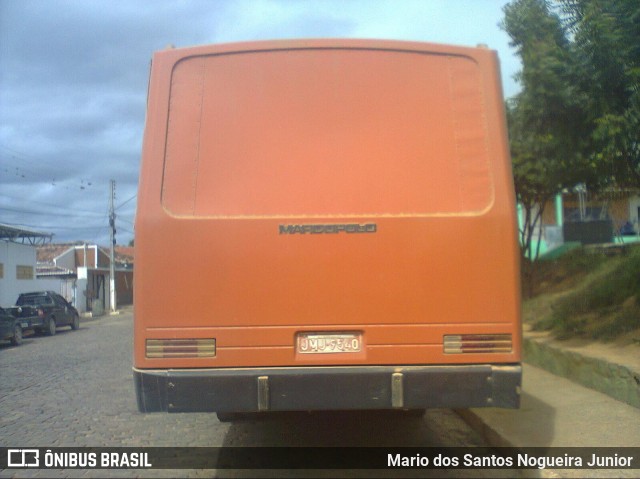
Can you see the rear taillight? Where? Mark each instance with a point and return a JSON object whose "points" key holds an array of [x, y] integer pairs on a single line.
{"points": [[477, 343], [181, 348]]}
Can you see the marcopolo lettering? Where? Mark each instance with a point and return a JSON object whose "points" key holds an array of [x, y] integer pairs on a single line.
{"points": [[327, 228]]}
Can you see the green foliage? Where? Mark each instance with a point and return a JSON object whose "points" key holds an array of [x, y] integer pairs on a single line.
{"points": [[546, 119], [624, 322], [577, 118], [619, 285], [606, 42], [605, 306], [578, 262]]}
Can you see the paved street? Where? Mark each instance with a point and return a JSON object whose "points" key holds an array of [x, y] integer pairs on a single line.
{"points": [[76, 389]]}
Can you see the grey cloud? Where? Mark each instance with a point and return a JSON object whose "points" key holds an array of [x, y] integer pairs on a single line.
{"points": [[73, 83]]}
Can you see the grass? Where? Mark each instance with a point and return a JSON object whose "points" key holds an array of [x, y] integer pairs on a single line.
{"points": [[587, 295]]}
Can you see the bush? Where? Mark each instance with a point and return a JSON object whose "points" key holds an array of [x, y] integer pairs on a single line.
{"points": [[596, 309]]}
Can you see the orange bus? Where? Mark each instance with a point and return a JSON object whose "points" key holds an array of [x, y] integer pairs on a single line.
{"points": [[326, 225]]}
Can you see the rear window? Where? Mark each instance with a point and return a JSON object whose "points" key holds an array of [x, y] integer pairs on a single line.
{"points": [[326, 132], [33, 300]]}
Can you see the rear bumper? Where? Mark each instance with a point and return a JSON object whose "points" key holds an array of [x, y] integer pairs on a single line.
{"points": [[328, 388]]}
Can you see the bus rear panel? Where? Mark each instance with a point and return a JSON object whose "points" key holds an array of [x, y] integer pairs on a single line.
{"points": [[323, 225]]}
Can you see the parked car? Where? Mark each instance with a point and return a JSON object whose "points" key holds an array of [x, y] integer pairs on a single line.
{"points": [[51, 311], [12, 328]]}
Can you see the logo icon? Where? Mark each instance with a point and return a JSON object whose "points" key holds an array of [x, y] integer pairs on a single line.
{"points": [[23, 458]]}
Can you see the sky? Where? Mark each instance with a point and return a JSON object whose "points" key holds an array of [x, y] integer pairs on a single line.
{"points": [[74, 76]]}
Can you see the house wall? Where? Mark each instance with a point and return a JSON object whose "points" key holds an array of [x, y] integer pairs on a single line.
{"points": [[74, 257], [69, 290], [619, 210], [92, 285], [124, 287], [11, 256], [103, 259], [66, 260], [79, 254], [81, 298], [93, 290], [99, 283], [86, 290], [549, 214]]}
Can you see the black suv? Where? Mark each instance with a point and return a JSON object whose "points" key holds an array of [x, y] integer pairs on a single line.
{"points": [[51, 309]]}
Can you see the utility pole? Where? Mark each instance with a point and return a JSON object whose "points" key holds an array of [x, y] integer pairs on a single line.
{"points": [[112, 261]]}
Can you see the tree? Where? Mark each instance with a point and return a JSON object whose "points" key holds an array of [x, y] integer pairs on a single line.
{"points": [[607, 45], [546, 119], [577, 117]]}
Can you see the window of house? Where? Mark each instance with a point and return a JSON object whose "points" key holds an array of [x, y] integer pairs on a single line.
{"points": [[24, 272]]}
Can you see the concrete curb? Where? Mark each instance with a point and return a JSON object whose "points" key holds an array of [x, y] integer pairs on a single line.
{"points": [[126, 309], [615, 380]]}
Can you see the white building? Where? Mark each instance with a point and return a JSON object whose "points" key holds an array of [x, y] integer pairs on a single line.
{"points": [[18, 264], [83, 270]]}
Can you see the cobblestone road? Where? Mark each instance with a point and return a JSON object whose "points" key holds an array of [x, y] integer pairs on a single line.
{"points": [[76, 389]]}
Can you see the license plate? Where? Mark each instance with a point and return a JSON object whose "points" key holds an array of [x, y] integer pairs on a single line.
{"points": [[314, 343]]}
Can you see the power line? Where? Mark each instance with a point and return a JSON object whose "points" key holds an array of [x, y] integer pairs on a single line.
{"points": [[58, 227], [125, 202], [21, 156], [37, 173], [21, 173], [46, 204], [50, 213]]}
